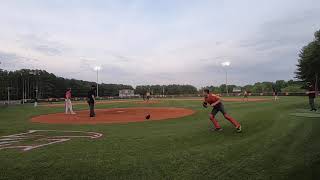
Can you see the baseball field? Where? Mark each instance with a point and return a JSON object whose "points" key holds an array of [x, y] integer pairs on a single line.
{"points": [[279, 140]]}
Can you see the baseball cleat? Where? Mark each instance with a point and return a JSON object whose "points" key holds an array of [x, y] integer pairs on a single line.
{"points": [[239, 129], [216, 129]]}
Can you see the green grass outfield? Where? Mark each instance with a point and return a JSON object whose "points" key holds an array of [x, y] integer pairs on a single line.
{"points": [[273, 145]]}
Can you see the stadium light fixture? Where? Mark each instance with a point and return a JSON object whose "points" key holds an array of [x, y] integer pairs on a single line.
{"points": [[97, 68], [227, 63]]}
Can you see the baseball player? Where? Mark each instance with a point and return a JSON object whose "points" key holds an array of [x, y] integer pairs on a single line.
{"points": [[215, 102], [91, 100], [312, 95], [148, 96], [275, 94], [35, 102], [35, 98], [68, 103], [245, 95]]}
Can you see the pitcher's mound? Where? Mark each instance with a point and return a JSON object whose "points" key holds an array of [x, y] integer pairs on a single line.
{"points": [[115, 115]]}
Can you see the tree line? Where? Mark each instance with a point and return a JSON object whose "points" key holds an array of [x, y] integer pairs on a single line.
{"points": [[261, 87], [173, 89], [39, 83], [28, 84]]}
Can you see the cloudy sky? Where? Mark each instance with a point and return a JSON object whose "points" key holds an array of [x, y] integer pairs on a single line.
{"points": [[158, 42]]}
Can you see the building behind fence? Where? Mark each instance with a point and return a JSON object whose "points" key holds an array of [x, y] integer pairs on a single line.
{"points": [[126, 93]]}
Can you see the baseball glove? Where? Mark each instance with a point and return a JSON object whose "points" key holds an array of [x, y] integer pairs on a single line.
{"points": [[205, 104]]}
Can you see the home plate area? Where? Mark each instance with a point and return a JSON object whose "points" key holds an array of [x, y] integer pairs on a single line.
{"points": [[33, 139]]}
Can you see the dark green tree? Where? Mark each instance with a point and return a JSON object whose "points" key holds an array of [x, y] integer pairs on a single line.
{"points": [[308, 67]]}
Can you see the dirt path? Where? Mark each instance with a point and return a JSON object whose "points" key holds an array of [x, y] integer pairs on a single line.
{"points": [[115, 115]]}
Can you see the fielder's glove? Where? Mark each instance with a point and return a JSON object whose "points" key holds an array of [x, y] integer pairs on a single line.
{"points": [[205, 104]]}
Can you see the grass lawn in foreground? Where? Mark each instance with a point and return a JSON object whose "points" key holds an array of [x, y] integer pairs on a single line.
{"points": [[273, 145]]}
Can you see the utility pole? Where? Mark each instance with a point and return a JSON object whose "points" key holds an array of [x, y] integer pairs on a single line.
{"points": [[28, 90], [23, 88], [23, 91], [163, 91], [97, 83], [226, 64], [35, 85], [316, 84], [227, 82], [0, 86], [8, 95], [97, 68]]}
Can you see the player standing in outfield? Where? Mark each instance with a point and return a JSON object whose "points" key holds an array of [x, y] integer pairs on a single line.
{"points": [[245, 95], [91, 100], [148, 96], [215, 102], [275, 94], [35, 102], [68, 103], [312, 95], [35, 98]]}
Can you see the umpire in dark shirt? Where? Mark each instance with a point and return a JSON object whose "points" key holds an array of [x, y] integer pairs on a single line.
{"points": [[91, 100], [312, 95]]}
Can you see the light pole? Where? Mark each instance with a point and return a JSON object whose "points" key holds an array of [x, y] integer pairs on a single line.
{"points": [[163, 91], [8, 89], [9, 95], [225, 65], [35, 73], [0, 86], [22, 88], [97, 68], [316, 84]]}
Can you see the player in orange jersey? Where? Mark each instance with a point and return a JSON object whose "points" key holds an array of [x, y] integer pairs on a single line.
{"points": [[215, 102]]}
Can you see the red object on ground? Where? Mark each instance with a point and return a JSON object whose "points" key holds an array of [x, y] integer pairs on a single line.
{"points": [[148, 116], [115, 115]]}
